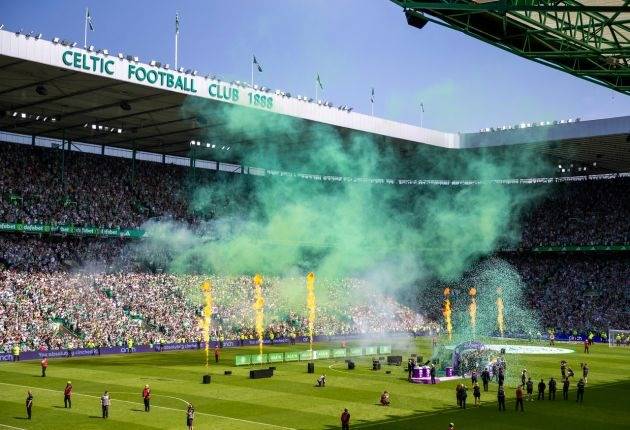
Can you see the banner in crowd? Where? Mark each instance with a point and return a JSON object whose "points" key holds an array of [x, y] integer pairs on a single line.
{"points": [[582, 248], [9, 227]]}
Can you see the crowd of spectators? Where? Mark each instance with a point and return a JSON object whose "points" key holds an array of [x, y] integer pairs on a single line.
{"points": [[62, 309], [32, 254], [111, 192], [93, 190], [580, 213], [577, 291]]}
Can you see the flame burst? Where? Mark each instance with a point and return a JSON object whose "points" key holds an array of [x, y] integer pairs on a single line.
{"points": [[446, 311], [259, 304], [472, 309], [500, 310], [207, 316], [310, 305]]}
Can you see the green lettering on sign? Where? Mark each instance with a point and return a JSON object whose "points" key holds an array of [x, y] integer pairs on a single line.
{"points": [[339, 352], [276, 357], [242, 360], [370, 350], [291, 356], [355, 352], [259, 358]]}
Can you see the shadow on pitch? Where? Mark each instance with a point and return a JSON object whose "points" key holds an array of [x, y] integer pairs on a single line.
{"points": [[598, 397]]}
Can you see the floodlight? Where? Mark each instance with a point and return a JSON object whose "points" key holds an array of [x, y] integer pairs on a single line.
{"points": [[105, 52], [91, 48], [39, 36], [152, 63], [415, 19], [55, 40], [120, 55]]}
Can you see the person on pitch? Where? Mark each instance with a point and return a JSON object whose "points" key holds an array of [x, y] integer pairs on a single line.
{"points": [[552, 389], [15, 352], [146, 396], [105, 400], [385, 401], [67, 396], [519, 398], [530, 389], [345, 420], [585, 370], [477, 394], [190, 417], [565, 389], [501, 398], [485, 378], [580, 391], [29, 404], [321, 381], [541, 389], [44, 364]]}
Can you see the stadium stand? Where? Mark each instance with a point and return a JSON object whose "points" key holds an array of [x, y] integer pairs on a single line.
{"points": [[53, 296]]}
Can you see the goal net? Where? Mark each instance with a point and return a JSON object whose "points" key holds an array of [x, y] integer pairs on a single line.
{"points": [[618, 337]]}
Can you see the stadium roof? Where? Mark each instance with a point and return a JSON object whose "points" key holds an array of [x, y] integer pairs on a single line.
{"points": [[587, 38], [53, 89]]}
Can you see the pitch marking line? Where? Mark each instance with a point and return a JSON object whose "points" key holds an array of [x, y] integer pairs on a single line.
{"points": [[160, 407], [11, 427]]}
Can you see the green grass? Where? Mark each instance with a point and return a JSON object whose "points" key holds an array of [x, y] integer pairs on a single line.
{"points": [[290, 400]]}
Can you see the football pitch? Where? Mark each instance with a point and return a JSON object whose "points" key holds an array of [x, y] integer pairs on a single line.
{"points": [[290, 400]]}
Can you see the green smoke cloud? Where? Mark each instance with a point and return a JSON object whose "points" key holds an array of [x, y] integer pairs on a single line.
{"points": [[336, 228]]}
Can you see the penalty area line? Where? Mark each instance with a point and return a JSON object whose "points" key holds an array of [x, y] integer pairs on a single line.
{"points": [[160, 407]]}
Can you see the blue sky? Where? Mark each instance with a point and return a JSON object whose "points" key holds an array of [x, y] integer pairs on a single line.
{"points": [[353, 44]]}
